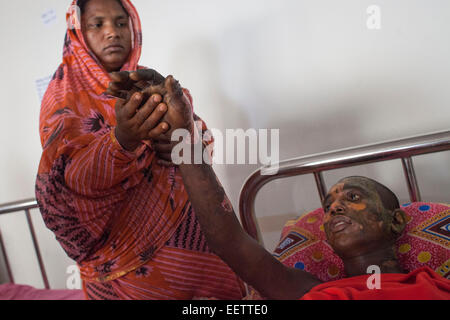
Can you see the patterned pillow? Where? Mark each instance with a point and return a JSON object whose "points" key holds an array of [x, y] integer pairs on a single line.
{"points": [[426, 241]]}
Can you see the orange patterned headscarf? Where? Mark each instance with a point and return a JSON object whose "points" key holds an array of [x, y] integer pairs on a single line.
{"points": [[110, 209]]}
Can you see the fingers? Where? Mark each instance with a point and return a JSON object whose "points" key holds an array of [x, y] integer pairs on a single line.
{"points": [[118, 86], [119, 104], [122, 86], [158, 130], [149, 75], [158, 89], [129, 109], [155, 118], [124, 95], [121, 81], [141, 85], [146, 110], [121, 77], [125, 91]]}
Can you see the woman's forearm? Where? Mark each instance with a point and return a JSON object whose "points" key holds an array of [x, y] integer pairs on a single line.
{"points": [[103, 164]]}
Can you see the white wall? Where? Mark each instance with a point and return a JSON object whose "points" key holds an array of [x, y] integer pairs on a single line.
{"points": [[309, 68]]}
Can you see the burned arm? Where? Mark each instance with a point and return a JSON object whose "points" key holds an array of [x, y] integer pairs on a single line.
{"points": [[229, 241]]}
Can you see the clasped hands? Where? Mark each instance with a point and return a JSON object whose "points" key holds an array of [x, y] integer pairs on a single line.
{"points": [[149, 107]]}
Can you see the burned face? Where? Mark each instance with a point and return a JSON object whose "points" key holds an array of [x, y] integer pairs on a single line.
{"points": [[356, 221], [106, 29]]}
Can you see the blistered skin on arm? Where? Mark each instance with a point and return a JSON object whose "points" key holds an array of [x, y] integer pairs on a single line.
{"points": [[229, 241]]}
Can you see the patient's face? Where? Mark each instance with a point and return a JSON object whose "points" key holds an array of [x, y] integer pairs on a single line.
{"points": [[354, 216]]}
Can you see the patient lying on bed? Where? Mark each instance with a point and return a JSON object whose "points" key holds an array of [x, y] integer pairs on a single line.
{"points": [[362, 221]]}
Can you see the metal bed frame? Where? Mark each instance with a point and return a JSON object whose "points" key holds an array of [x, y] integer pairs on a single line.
{"points": [[403, 149], [26, 206]]}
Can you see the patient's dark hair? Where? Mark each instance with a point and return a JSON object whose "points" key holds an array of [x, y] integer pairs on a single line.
{"points": [[388, 198], [82, 5]]}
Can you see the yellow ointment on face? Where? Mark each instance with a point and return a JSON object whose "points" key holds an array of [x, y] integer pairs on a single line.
{"points": [[357, 206]]}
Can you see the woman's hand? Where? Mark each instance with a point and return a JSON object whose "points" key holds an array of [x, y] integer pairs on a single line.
{"points": [[135, 123], [148, 82], [179, 113]]}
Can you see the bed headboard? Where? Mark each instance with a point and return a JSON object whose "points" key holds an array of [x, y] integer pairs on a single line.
{"points": [[403, 149]]}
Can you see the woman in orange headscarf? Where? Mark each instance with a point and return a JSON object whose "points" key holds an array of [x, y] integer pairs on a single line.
{"points": [[125, 219]]}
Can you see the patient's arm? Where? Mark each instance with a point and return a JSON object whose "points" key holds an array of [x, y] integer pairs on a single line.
{"points": [[227, 239], [223, 232]]}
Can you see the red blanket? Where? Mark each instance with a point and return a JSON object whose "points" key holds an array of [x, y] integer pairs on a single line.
{"points": [[421, 284]]}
